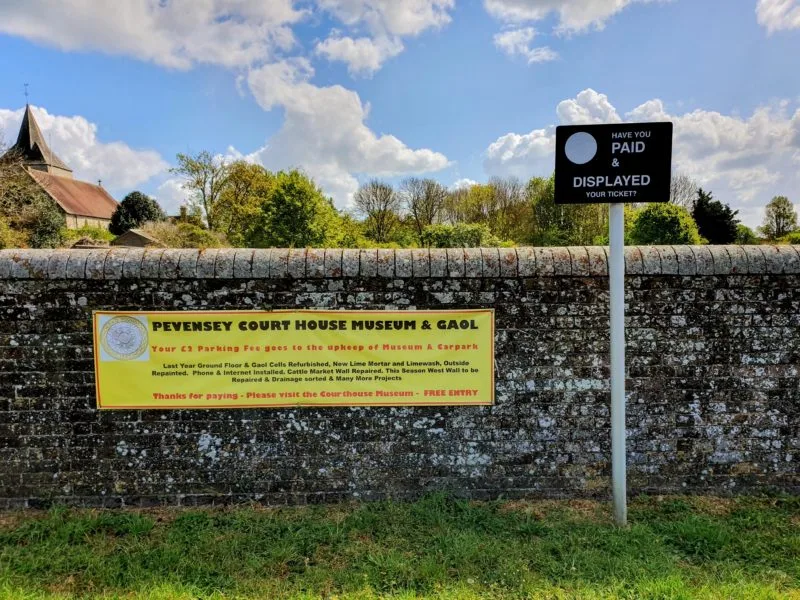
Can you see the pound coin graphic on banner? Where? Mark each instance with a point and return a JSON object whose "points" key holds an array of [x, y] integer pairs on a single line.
{"points": [[123, 337]]}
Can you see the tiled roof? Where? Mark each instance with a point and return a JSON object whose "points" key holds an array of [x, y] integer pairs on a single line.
{"points": [[76, 197]]}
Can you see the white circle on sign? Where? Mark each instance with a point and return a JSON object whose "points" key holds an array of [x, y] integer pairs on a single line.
{"points": [[581, 147]]}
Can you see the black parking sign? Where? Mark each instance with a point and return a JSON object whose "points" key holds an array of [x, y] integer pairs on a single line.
{"points": [[623, 162]]}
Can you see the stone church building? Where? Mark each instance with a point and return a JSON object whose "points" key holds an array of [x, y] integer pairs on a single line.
{"points": [[82, 203]]}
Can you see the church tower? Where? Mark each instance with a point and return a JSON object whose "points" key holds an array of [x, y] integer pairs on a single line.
{"points": [[83, 203], [33, 150]]}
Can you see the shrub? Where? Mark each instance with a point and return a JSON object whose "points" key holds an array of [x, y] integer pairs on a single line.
{"points": [[183, 235], [664, 224], [792, 238], [9, 238], [70, 236], [461, 235], [745, 235]]}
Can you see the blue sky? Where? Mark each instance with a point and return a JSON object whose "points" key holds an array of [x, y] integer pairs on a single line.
{"points": [[456, 90]]}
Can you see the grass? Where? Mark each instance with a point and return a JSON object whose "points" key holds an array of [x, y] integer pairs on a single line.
{"points": [[436, 548]]}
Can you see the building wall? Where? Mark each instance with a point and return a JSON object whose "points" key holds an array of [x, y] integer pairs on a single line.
{"points": [[77, 221], [713, 388]]}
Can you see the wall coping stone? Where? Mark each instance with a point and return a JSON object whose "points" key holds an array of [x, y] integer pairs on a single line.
{"points": [[486, 263]]}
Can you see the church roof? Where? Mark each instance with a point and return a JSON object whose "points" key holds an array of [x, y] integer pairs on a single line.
{"points": [[31, 145], [76, 197]]}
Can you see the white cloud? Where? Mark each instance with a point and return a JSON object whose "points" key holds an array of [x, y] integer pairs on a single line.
{"points": [[386, 22], [463, 183], [174, 33], [747, 159], [171, 195], [574, 16], [74, 139], [777, 15], [522, 155], [744, 161], [324, 132], [393, 17], [364, 56], [587, 107], [517, 42]]}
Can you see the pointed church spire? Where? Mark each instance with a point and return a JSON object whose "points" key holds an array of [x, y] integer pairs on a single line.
{"points": [[34, 151]]}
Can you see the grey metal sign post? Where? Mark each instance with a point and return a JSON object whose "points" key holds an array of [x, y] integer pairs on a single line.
{"points": [[626, 162]]}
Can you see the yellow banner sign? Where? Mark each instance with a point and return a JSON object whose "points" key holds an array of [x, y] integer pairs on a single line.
{"points": [[235, 359]]}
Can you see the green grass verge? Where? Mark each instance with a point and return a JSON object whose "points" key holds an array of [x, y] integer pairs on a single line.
{"points": [[434, 548]]}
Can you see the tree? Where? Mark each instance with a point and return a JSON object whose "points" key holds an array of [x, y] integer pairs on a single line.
{"points": [[245, 188], [135, 209], [295, 215], [378, 203], [46, 224], [28, 216], [479, 204], [554, 224], [424, 199], [350, 234], [745, 236], [509, 212], [780, 218], [454, 209], [664, 224], [460, 235], [715, 220], [682, 190], [204, 176]]}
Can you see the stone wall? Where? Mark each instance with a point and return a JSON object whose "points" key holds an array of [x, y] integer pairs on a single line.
{"points": [[713, 388]]}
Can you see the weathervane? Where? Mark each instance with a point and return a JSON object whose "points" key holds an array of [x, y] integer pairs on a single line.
{"points": [[26, 93]]}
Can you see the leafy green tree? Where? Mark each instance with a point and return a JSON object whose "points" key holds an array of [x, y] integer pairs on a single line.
{"points": [[664, 224], [238, 207], [404, 235], [460, 235], [631, 213], [351, 233], [745, 236], [204, 177], [792, 238], [780, 218], [28, 216], [715, 220], [45, 228], [554, 224], [135, 209], [295, 215], [502, 205]]}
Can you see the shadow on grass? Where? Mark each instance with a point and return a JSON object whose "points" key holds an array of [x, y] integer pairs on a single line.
{"points": [[437, 547]]}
